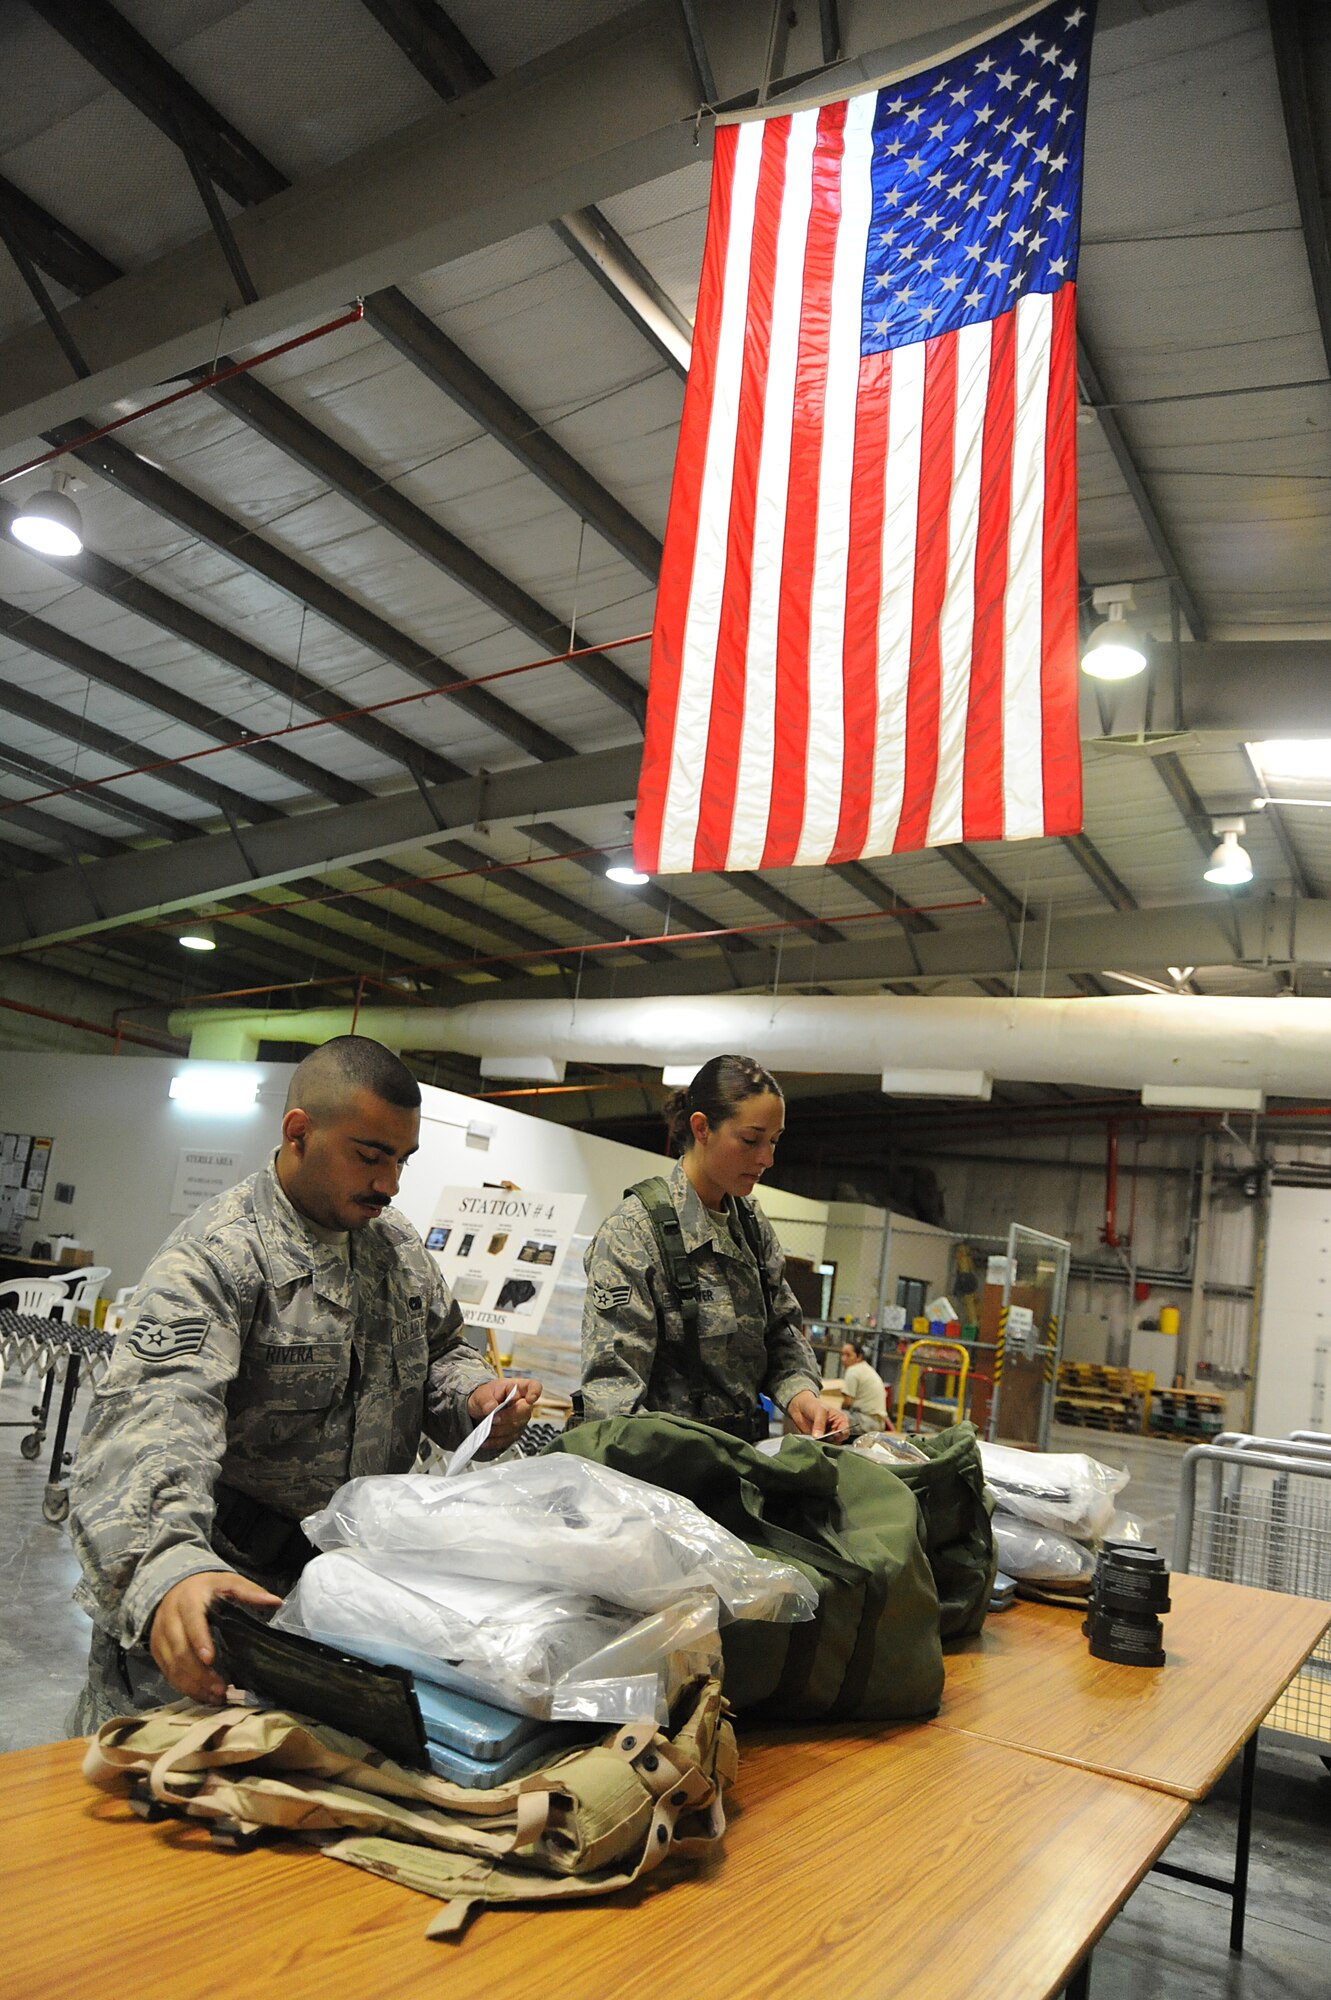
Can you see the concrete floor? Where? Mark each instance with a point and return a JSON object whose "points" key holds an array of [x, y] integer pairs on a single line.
{"points": [[1170, 1941]]}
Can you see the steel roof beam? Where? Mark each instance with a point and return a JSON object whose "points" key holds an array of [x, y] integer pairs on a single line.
{"points": [[970, 867], [431, 40], [134, 68], [367, 490], [52, 778], [421, 342], [1093, 864], [1286, 18], [33, 632], [667, 905], [136, 594], [165, 878], [882, 895], [1095, 395], [51, 244], [78, 729], [532, 890], [768, 897], [211, 146], [599, 114], [197, 516], [1269, 934]]}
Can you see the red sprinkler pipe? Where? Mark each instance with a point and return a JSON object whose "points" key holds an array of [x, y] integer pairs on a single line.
{"points": [[1109, 1234]]}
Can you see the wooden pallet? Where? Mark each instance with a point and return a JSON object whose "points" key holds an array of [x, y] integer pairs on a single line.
{"points": [[1103, 1399]]}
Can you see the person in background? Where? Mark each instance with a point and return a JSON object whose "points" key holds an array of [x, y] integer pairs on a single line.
{"points": [[750, 1338], [866, 1388], [290, 1335]]}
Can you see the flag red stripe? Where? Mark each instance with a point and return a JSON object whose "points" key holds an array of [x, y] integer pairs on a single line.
{"points": [[681, 538], [864, 584], [786, 810], [922, 699], [982, 795], [1060, 736], [726, 721]]}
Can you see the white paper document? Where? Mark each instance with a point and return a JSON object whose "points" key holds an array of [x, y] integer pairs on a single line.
{"points": [[469, 1447]]}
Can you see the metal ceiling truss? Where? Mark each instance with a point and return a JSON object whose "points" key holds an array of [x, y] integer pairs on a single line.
{"points": [[1287, 19], [432, 41], [158, 879], [670, 908]]}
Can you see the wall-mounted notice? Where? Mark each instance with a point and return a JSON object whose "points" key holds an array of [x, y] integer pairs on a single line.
{"points": [[23, 1164], [200, 1176], [500, 1252]]}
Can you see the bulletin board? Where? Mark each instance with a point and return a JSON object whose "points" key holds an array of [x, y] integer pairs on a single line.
{"points": [[25, 1162]]}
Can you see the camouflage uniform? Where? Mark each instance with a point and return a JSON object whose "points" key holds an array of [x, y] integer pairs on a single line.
{"points": [[259, 1369], [633, 1354]]}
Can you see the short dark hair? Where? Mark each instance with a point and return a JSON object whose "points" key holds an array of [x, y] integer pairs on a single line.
{"points": [[348, 1063], [718, 1090], [855, 1346]]}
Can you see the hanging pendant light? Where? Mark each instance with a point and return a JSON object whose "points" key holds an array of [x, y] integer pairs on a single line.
{"points": [[49, 522], [1114, 652], [1230, 865]]}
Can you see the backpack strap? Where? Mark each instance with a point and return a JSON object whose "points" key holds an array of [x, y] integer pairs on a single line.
{"points": [[748, 1222], [654, 1194]]}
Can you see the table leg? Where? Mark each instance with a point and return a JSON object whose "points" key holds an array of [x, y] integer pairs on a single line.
{"points": [[1079, 1986], [55, 1500], [1240, 1908], [1237, 1888]]}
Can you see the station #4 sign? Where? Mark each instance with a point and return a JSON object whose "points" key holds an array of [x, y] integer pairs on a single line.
{"points": [[501, 1252]]}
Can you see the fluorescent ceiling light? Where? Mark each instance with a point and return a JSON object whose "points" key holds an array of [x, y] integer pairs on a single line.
{"points": [[938, 1083], [679, 1075], [198, 937], [627, 877], [1294, 760], [215, 1090], [50, 523], [1202, 1097]]}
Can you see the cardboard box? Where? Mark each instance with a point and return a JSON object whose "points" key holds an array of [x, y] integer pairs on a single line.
{"points": [[72, 1258]]}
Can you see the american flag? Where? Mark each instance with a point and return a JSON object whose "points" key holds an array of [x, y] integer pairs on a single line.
{"points": [[866, 628]]}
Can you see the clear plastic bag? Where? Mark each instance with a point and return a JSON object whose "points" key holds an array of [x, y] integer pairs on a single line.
{"points": [[563, 1523], [1041, 1555], [1064, 1490], [538, 1651]]}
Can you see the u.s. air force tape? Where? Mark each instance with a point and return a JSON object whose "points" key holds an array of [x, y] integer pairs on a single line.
{"points": [[606, 1297], [152, 1341]]}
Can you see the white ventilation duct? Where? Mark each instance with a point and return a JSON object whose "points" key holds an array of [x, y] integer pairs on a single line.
{"points": [[1281, 1047]]}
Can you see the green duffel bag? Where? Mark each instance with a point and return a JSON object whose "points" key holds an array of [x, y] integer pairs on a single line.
{"points": [[956, 1507], [872, 1652]]}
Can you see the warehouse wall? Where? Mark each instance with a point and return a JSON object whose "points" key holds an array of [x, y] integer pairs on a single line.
{"points": [[118, 1138], [1058, 1185]]}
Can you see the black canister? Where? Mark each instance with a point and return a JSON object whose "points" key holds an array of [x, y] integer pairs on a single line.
{"points": [[1130, 1639], [1133, 1580]]}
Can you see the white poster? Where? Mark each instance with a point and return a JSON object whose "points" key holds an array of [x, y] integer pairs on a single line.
{"points": [[200, 1176], [500, 1251]]}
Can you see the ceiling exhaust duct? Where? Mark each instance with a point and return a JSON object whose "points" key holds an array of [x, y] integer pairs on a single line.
{"points": [[1279, 1047]]}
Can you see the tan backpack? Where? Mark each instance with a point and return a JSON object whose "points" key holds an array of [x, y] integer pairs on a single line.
{"points": [[591, 1822]]}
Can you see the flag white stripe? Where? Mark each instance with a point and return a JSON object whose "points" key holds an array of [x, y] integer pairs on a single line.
{"points": [[956, 625], [900, 523], [688, 750], [825, 748], [1023, 624], [753, 778]]}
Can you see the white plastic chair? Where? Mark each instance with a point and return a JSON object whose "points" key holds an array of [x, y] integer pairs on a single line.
{"points": [[82, 1292], [35, 1296]]}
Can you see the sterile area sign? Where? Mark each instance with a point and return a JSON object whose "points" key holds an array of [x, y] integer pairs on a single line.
{"points": [[500, 1251]]}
